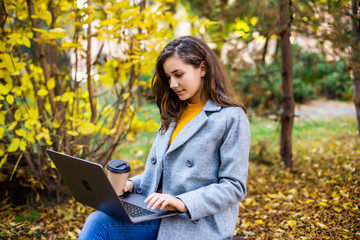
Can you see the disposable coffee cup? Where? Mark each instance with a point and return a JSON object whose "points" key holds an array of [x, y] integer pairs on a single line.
{"points": [[118, 171]]}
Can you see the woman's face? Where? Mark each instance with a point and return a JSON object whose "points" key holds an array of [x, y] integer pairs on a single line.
{"points": [[184, 79]]}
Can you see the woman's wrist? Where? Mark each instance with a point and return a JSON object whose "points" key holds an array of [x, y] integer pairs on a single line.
{"points": [[181, 207]]}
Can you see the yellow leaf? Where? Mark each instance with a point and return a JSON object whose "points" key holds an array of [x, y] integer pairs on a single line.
{"points": [[52, 165], [86, 128], [20, 132], [56, 124], [10, 99], [57, 33], [12, 125], [67, 96], [39, 30], [259, 221], [130, 137], [337, 209], [111, 21], [2, 47], [3, 160], [126, 95], [46, 15], [5, 89], [324, 204], [68, 45], [2, 130], [346, 204], [14, 145], [119, 5], [321, 225], [40, 136], [129, 13], [72, 133], [30, 138], [2, 117], [42, 92], [51, 83], [308, 201], [26, 41], [22, 145], [292, 223], [48, 141], [71, 235]]}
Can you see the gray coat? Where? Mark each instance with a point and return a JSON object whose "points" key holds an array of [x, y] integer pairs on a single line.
{"points": [[206, 167]]}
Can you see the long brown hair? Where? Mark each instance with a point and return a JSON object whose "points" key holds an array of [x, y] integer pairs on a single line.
{"points": [[192, 51]]}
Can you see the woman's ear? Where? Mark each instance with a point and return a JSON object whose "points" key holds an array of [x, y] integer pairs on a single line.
{"points": [[202, 68]]}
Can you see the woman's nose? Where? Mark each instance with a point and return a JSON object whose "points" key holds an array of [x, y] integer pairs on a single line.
{"points": [[173, 83]]}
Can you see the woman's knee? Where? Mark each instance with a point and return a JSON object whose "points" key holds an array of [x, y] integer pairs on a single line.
{"points": [[98, 218], [95, 224]]}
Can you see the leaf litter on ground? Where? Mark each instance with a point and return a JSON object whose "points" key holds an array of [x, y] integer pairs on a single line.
{"points": [[318, 199]]}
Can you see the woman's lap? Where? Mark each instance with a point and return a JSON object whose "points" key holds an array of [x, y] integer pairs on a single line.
{"points": [[99, 225]]}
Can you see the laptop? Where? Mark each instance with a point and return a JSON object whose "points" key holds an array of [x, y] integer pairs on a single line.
{"points": [[90, 186]]}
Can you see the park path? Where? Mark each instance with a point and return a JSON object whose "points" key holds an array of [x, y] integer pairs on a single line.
{"points": [[325, 109]]}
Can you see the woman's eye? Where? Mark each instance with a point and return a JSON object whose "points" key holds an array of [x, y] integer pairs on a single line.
{"points": [[178, 75]]}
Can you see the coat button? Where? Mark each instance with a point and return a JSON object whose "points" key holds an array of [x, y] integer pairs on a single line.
{"points": [[139, 190], [153, 160], [189, 163]]}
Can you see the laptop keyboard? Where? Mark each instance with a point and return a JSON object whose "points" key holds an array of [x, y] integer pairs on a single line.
{"points": [[136, 211]]}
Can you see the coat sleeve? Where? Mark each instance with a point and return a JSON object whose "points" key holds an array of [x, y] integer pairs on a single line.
{"points": [[138, 179], [232, 173]]}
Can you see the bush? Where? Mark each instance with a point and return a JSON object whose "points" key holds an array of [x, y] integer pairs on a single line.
{"points": [[313, 77]]}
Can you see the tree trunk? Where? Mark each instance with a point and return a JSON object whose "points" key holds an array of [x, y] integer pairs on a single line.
{"points": [[88, 71], [3, 14], [40, 49], [355, 59], [288, 103]]}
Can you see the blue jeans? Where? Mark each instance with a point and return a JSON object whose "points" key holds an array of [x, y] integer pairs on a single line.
{"points": [[99, 225]]}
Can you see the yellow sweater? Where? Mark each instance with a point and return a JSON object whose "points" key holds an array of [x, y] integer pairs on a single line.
{"points": [[189, 113]]}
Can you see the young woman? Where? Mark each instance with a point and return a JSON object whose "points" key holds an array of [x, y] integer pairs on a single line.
{"points": [[198, 163]]}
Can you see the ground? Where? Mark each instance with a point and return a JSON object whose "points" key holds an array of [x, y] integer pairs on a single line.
{"points": [[317, 199]]}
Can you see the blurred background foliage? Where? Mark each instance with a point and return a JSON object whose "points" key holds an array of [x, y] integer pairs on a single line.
{"points": [[75, 76]]}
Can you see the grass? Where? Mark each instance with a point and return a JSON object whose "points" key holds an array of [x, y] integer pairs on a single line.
{"points": [[265, 134]]}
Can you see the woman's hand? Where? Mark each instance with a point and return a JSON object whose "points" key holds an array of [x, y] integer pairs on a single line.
{"points": [[129, 186], [170, 203]]}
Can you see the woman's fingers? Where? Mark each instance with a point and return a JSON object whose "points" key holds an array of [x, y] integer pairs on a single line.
{"points": [[129, 186], [165, 201], [156, 200]]}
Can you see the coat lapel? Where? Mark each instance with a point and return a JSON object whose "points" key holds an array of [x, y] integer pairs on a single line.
{"points": [[164, 140], [189, 129]]}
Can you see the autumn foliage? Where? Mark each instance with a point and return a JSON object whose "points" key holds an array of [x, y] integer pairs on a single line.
{"points": [[57, 92]]}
